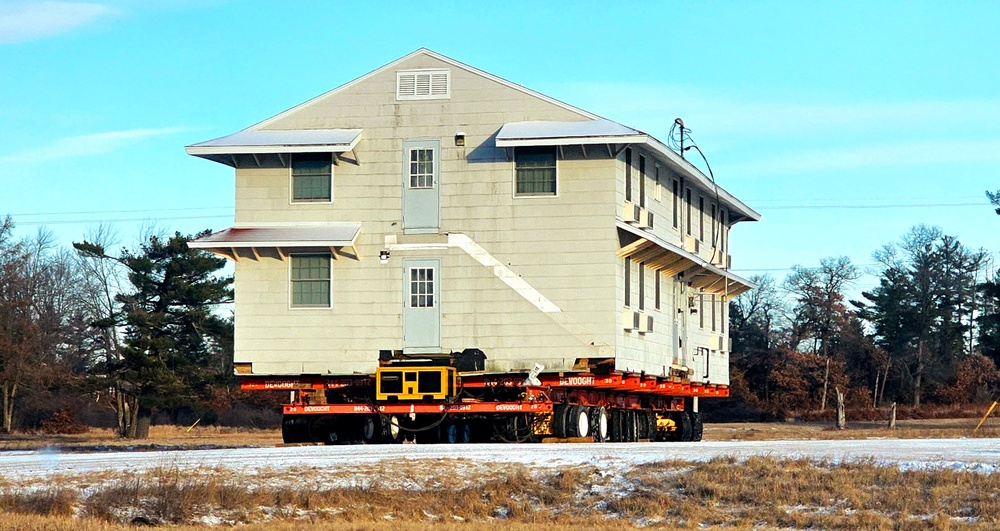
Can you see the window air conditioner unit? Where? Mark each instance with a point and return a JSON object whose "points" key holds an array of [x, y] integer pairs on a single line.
{"points": [[645, 323], [630, 212], [630, 320], [645, 219], [721, 259], [692, 245]]}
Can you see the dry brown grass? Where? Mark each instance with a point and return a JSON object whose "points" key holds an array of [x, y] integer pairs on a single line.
{"points": [[758, 493]]}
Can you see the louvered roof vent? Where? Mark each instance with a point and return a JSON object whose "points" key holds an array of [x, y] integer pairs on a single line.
{"points": [[431, 84]]}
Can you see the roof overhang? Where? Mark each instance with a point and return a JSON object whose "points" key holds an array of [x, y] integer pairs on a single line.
{"points": [[336, 237], [673, 260], [276, 141], [616, 136], [517, 134]]}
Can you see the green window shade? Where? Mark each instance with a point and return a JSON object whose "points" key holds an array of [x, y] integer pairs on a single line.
{"points": [[535, 169], [311, 281], [311, 177]]}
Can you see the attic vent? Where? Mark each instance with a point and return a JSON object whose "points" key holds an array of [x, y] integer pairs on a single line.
{"points": [[423, 84]]}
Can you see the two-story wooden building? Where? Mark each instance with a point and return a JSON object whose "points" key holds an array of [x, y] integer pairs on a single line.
{"points": [[430, 207]]}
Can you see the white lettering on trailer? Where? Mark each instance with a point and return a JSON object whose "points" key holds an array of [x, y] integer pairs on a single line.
{"points": [[576, 380], [279, 384], [316, 409], [508, 407]]}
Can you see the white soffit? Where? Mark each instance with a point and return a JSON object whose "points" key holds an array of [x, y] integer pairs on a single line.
{"points": [[280, 141], [567, 133], [340, 234]]}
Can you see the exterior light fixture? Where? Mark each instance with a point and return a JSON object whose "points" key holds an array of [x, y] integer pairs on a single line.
{"points": [[459, 139], [383, 256]]}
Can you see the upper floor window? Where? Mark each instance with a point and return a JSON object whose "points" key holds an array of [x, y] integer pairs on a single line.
{"points": [[535, 171], [312, 177], [310, 280], [430, 84], [628, 174], [642, 181], [422, 168]]}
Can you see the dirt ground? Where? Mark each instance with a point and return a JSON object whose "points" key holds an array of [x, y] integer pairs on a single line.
{"points": [[173, 437]]}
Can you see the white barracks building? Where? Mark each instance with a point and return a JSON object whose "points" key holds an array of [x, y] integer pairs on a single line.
{"points": [[429, 207]]}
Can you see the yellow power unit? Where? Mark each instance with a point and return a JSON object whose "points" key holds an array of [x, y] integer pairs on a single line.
{"points": [[415, 383]]}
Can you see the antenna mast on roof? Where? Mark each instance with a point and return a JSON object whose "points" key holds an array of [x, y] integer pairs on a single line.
{"points": [[679, 122]]}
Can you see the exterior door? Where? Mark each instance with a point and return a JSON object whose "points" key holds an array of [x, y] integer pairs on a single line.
{"points": [[421, 197], [421, 306]]}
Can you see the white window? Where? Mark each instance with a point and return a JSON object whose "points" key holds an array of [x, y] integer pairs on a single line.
{"points": [[312, 177], [421, 287], [421, 168], [535, 171], [430, 84], [310, 280]]}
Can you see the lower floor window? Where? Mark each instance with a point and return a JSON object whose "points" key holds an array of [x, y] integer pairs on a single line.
{"points": [[310, 280]]}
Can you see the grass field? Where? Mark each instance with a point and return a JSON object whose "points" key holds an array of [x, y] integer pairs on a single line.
{"points": [[757, 493]]}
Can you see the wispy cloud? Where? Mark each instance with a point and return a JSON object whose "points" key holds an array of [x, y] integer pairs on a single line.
{"points": [[94, 144], [25, 21], [901, 154]]}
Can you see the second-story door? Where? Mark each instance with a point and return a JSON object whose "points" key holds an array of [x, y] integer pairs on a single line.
{"points": [[421, 190]]}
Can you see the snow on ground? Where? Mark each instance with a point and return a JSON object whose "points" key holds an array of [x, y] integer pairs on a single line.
{"points": [[977, 455]]}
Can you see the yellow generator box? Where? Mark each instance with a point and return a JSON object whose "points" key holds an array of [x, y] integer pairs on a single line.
{"points": [[415, 383]]}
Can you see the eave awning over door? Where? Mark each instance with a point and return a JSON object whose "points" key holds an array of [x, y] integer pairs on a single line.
{"points": [[336, 237]]}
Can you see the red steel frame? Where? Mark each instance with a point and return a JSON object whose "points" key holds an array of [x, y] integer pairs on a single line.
{"points": [[626, 391]]}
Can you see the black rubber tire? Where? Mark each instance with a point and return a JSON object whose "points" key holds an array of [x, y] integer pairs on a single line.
{"points": [[598, 417], [371, 429], [578, 421], [293, 430], [697, 427], [684, 428], [617, 425], [634, 419], [560, 420], [651, 424], [391, 434]]}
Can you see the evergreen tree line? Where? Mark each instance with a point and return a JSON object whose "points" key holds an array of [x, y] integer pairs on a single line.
{"points": [[98, 336], [928, 333]]}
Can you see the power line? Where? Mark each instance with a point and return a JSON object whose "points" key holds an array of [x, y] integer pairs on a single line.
{"points": [[118, 220], [118, 211], [856, 207]]}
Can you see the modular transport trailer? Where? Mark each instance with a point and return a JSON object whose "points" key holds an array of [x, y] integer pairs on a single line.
{"points": [[430, 403], [433, 252]]}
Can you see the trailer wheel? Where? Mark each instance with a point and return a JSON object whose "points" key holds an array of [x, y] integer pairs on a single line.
{"points": [[578, 421], [632, 425], [697, 427], [599, 423], [683, 432], [561, 420], [390, 430], [616, 425], [371, 429], [294, 429]]}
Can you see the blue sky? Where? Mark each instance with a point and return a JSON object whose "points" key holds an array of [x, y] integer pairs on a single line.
{"points": [[842, 123]]}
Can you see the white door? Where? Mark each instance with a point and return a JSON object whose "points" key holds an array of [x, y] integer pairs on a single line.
{"points": [[421, 197], [421, 306]]}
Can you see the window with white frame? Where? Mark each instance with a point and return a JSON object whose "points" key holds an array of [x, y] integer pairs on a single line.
{"points": [[535, 171], [312, 177], [421, 168], [421, 287], [310, 280]]}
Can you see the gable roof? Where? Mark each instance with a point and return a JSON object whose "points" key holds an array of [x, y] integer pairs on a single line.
{"points": [[439, 57]]}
